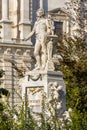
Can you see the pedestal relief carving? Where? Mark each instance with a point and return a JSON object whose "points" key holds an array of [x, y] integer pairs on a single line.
{"points": [[35, 96], [57, 93]]}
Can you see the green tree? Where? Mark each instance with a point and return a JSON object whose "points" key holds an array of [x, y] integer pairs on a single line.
{"points": [[4, 122], [73, 52]]}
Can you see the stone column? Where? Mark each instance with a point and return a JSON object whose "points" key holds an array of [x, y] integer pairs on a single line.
{"points": [[25, 23], [67, 27], [14, 9], [41, 3], [5, 9], [5, 22]]}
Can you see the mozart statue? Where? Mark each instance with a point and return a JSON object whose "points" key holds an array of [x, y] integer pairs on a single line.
{"points": [[41, 29]]}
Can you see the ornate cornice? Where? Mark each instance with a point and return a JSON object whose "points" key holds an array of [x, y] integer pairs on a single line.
{"points": [[16, 45]]}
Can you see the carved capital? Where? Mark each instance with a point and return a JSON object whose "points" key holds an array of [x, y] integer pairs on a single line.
{"points": [[8, 51], [27, 53], [18, 52]]}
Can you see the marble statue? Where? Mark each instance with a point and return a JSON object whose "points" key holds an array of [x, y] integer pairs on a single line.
{"points": [[42, 28], [50, 32]]}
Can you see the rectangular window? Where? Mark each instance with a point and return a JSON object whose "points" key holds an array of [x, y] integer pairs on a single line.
{"points": [[58, 29]]}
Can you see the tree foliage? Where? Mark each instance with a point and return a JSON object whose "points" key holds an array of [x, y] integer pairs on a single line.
{"points": [[77, 10], [73, 50], [4, 122]]}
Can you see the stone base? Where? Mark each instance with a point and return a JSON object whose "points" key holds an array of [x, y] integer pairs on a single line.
{"points": [[37, 82]]}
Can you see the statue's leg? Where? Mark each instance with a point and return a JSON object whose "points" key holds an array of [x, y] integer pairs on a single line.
{"points": [[37, 55], [44, 55], [49, 50]]}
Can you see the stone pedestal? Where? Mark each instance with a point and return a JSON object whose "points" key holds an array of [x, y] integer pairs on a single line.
{"points": [[36, 83]]}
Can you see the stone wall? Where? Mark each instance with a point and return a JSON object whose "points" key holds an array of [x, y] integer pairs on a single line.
{"points": [[20, 55]]}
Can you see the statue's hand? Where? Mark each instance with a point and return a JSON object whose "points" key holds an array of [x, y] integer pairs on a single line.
{"points": [[25, 39]]}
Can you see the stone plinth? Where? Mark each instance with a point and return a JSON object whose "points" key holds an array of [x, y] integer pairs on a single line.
{"points": [[37, 82]]}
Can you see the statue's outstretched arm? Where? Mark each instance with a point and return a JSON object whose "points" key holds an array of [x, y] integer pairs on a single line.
{"points": [[29, 36]]}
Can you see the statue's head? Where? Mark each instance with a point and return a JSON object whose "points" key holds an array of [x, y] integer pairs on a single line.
{"points": [[40, 12]]}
